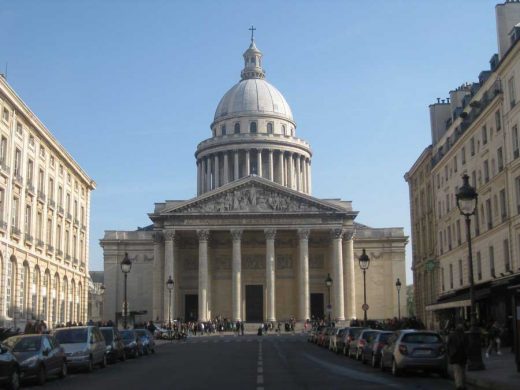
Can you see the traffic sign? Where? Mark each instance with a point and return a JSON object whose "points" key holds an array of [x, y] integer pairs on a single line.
{"points": [[364, 307]]}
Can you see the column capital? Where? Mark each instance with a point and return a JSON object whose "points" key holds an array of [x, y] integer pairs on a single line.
{"points": [[236, 234], [303, 234], [336, 233], [349, 235], [203, 235], [270, 234], [157, 237], [169, 235]]}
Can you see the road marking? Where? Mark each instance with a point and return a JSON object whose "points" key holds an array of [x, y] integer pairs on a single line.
{"points": [[260, 368]]}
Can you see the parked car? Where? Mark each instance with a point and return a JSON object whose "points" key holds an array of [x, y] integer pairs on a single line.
{"points": [[414, 350], [39, 356], [335, 336], [372, 350], [350, 335], [9, 369], [115, 349], [326, 336], [133, 344], [147, 340], [313, 334], [356, 346], [321, 336], [84, 346]]}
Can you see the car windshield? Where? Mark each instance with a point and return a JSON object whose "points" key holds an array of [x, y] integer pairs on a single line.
{"points": [[368, 335], [422, 338], [24, 344], [72, 336], [127, 335], [108, 334], [355, 332]]}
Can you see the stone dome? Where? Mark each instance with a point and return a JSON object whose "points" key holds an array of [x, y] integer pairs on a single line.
{"points": [[253, 96]]}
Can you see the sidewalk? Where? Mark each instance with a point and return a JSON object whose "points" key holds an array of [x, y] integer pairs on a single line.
{"points": [[500, 373]]}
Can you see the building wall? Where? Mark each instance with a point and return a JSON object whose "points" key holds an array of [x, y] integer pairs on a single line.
{"points": [[36, 223]]}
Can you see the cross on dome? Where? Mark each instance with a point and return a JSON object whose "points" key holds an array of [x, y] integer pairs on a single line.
{"points": [[252, 29]]}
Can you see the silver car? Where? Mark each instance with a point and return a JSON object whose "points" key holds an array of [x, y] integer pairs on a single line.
{"points": [[414, 350], [84, 346]]}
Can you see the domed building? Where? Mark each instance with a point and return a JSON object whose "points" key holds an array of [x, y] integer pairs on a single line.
{"points": [[253, 245]]}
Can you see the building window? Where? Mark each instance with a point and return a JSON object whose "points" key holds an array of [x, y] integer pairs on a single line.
{"points": [[472, 146], [15, 207], [492, 261], [498, 120], [41, 183], [31, 141], [67, 203], [3, 151], [489, 214], [49, 231], [443, 278], [30, 169], [484, 135], [58, 236], [17, 162], [512, 92], [60, 170], [514, 134], [459, 238], [451, 276], [455, 164], [500, 159], [270, 128], [51, 188], [237, 128], [503, 205], [2, 205], [479, 266], [10, 292], [461, 273], [67, 240], [19, 129], [449, 238], [27, 224], [52, 161], [486, 171], [5, 114], [252, 127], [507, 262], [223, 130], [60, 196]]}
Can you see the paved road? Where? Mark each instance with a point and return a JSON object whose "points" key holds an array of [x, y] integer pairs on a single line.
{"points": [[245, 362]]}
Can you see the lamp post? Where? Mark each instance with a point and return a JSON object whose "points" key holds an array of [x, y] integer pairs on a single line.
{"points": [[398, 287], [102, 292], [126, 266], [467, 204], [328, 283], [169, 286], [364, 262]]}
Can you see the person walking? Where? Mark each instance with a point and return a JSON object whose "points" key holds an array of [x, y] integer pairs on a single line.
{"points": [[242, 328], [494, 341], [457, 355]]}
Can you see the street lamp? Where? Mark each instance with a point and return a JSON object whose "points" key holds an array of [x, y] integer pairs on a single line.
{"points": [[126, 266], [364, 262], [328, 283], [169, 286], [467, 204], [398, 287]]}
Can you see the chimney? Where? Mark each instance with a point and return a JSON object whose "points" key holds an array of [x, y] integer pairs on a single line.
{"points": [[439, 115], [507, 16]]}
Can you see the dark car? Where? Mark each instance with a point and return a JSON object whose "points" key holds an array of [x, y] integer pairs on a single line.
{"points": [[9, 369], [115, 347], [372, 351], [357, 345], [147, 340], [350, 335], [132, 342], [39, 356]]}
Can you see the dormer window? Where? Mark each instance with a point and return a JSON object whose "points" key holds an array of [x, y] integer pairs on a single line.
{"points": [[269, 128], [237, 128], [223, 130], [252, 127]]}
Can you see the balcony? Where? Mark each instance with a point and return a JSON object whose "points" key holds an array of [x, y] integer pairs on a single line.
{"points": [[41, 196], [69, 216], [16, 232], [3, 225], [39, 243], [50, 249], [59, 253], [52, 204], [60, 210], [30, 188], [4, 169], [28, 239]]}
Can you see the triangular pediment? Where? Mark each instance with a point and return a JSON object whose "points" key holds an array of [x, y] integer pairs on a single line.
{"points": [[253, 194]]}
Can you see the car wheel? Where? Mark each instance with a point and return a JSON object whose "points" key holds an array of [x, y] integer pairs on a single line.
{"points": [[63, 371], [395, 370], [14, 380], [90, 366], [42, 376], [103, 363], [374, 361]]}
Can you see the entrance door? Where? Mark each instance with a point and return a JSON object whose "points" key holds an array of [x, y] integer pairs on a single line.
{"points": [[317, 305], [191, 307], [254, 303]]}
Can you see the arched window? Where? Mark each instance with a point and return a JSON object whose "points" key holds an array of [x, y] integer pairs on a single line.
{"points": [[252, 127], [223, 130], [269, 128], [292, 132], [284, 129], [237, 128]]}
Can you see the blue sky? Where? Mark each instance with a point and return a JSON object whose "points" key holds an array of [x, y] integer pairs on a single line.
{"points": [[130, 88]]}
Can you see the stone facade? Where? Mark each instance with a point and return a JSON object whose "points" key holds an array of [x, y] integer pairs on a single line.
{"points": [[44, 221], [254, 244]]}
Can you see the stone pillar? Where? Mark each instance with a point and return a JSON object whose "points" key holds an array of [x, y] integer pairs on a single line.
{"points": [[169, 270], [157, 274], [271, 166], [350, 281], [280, 168], [304, 174], [216, 169], [259, 162], [236, 169], [270, 274], [338, 308], [236, 275], [208, 173], [226, 168], [198, 177], [203, 274], [290, 171], [309, 177], [202, 175], [298, 181], [248, 164], [303, 265]]}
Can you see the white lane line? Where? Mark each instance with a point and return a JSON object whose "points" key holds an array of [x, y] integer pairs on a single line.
{"points": [[260, 368]]}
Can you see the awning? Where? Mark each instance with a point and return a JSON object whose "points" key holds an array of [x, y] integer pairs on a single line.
{"points": [[449, 305]]}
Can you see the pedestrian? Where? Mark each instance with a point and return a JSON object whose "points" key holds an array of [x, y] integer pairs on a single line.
{"points": [[29, 328], [494, 341], [242, 327], [457, 355]]}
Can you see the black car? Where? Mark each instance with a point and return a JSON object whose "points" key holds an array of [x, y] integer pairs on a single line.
{"points": [[9, 369], [38, 355], [132, 342], [115, 346]]}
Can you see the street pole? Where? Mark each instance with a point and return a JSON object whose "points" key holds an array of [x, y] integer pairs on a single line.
{"points": [[170, 314], [365, 297], [399, 304], [328, 306], [125, 308]]}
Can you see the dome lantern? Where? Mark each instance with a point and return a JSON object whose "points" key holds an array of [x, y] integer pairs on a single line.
{"points": [[252, 61]]}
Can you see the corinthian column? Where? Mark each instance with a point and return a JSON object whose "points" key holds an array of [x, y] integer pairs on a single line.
{"points": [[203, 274], [337, 271], [271, 170], [236, 272], [298, 182], [280, 168], [169, 270], [208, 173], [226, 168], [216, 169], [157, 274], [350, 290], [259, 162], [290, 171], [303, 264], [236, 168], [248, 163], [270, 274]]}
